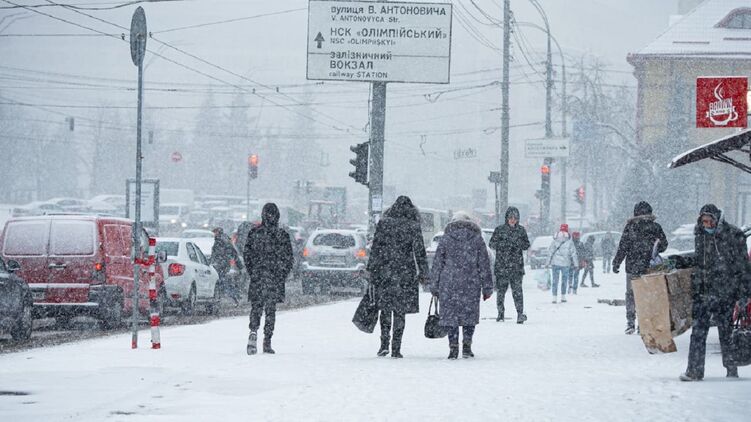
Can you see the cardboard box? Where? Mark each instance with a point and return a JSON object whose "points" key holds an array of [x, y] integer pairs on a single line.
{"points": [[663, 308]]}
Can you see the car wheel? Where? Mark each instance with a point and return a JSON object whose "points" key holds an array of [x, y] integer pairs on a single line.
{"points": [[189, 304], [22, 329], [111, 314]]}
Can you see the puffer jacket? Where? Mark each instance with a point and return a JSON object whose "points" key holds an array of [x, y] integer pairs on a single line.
{"points": [[562, 251]]}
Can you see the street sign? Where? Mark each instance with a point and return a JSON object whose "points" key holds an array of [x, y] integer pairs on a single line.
{"points": [[543, 148], [379, 41], [722, 102], [138, 36], [176, 157], [149, 201]]}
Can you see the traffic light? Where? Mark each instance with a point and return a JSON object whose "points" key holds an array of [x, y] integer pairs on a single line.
{"points": [[360, 162], [580, 194], [253, 166]]}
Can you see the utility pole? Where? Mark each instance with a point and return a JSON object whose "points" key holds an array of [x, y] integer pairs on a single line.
{"points": [[502, 202], [564, 134], [377, 132], [545, 211]]}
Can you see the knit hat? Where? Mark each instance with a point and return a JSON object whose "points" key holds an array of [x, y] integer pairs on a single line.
{"points": [[576, 235], [564, 228]]}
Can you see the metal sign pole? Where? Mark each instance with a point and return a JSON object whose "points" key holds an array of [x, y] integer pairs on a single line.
{"points": [[137, 50], [377, 132]]}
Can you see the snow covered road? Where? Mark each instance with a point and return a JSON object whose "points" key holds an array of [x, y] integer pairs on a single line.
{"points": [[568, 362]]}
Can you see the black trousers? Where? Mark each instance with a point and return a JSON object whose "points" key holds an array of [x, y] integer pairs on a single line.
{"points": [[589, 269], [399, 320], [503, 280], [702, 311], [256, 310]]}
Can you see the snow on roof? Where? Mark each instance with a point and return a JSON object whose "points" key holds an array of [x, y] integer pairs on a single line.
{"points": [[697, 34]]}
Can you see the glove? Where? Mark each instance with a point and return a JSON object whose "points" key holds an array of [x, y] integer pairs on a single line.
{"points": [[742, 309], [616, 270]]}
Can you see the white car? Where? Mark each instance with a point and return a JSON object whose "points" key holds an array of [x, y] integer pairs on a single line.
{"points": [[204, 239], [188, 277]]}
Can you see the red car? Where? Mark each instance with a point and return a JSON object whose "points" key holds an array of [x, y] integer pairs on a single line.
{"points": [[78, 265]]}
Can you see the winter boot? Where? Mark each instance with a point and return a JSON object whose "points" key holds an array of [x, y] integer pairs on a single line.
{"points": [[690, 377], [453, 351], [267, 346], [732, 372], [521, 318], [595, 285], [252, 347], [396, 354], [630, 330], [467, 351], [555, 300], [583, 285], [563, 299], [384, 350], [500, 317]]}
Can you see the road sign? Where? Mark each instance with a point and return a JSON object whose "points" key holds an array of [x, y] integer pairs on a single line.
{"points": [[379, 41], [138, 36], [176, 157], [149, 201], [542, 148], [722, 102]]}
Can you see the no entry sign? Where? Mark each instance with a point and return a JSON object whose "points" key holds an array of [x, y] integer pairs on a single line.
{"points": [[176, 157], [721, 102]]}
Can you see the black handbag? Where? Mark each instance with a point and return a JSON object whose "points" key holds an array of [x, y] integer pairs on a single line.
{"points": [[432, 325], [366, 314], [740, 341]]}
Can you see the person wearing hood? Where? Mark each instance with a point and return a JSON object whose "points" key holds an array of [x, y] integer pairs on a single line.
{"points": [[460, 276], [641, 237], [562, 258], [608, 248], [396, 266], [509, 242], [268, 258], [719, 280]]}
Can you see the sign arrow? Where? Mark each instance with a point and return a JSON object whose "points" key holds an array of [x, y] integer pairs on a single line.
{"points": [[319, 39]]}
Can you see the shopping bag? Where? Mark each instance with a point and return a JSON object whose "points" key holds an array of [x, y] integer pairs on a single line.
{"points": [[366, 314], [544, 279], [433, 328], [740, 340]]}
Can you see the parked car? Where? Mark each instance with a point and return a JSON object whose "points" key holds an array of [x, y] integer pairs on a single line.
{"points": [[190, 279], [78, 265], [598, 240], [16, 302], [334, 258], [36, 208], [539, 253], [171, 217], [204, 239]]}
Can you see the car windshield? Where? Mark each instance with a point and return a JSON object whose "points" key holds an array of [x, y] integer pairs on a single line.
{"points": [[542, 242], [335, 240], [196, 234], [171, 248]]}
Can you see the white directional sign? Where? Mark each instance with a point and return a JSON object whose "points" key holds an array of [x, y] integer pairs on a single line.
{"points": [[379, 41], [541, 148]]}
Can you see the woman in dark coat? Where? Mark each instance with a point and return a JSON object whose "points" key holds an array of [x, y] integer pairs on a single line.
{"points": [[460, 276], [268, 258], [397, 262], [509, 242]]}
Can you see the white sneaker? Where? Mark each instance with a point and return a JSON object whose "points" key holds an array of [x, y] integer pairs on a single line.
{"points": [[563, 299], [555, 301]]}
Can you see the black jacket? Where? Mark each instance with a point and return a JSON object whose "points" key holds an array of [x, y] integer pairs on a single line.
{"points": [[580, 252], [268, 258], [396, 259], [509, 244], [721, 271], [222, 253], [638, 239], [607, 246]]}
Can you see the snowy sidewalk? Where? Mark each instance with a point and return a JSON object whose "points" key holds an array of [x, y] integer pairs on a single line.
{"points": [[568, 362]]}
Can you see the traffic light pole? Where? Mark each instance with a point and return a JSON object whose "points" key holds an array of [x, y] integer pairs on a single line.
{"points": [[377, 139], [502, 202]]}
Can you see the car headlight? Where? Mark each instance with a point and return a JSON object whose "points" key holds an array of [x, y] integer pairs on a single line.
{"points": [[184, 225], [173, 221]]}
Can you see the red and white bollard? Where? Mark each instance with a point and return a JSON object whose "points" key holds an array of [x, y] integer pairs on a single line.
{"points": [[153, 297]]}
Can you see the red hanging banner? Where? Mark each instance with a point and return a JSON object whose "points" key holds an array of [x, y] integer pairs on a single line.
{"points": [[722, 102]]}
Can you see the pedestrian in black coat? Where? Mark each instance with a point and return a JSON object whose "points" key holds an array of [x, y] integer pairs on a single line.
{"points": [[509, 241], [637, 243], [588, 256], [719, 281], [396, 266], [607, 246], [223, 253], [269, 260]]}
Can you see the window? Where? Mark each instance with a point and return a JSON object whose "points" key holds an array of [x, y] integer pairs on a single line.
{"points": [[26, 238], [334, 240], [737, 19], [72, 238], [171, 248], [201, 256], [113, 241], [192, 252]]}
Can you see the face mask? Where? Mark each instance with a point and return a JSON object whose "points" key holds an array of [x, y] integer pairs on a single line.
{"points": [[710, 230]]}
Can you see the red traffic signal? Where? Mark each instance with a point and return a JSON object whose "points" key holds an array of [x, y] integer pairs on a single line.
{"points": [[580, 194], [253, 166]]}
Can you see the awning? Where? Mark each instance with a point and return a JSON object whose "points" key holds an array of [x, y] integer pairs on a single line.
{"points": [[717, 150]]}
